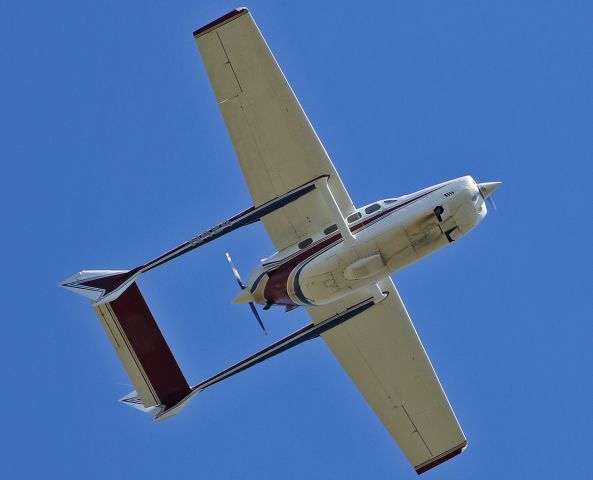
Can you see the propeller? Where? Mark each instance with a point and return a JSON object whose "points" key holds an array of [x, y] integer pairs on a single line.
{"points": [[243, 287]]}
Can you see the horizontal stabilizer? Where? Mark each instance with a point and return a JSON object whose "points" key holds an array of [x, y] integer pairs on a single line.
{"points": [[143, 351]]}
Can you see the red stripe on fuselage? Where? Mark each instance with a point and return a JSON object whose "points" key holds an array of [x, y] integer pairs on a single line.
{"points": [[276, 289]]}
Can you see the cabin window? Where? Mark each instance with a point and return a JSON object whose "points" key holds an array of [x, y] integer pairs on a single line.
{"points": [[330, 229], [372, 208], [306, 242], [355, 216], [390, 200]]}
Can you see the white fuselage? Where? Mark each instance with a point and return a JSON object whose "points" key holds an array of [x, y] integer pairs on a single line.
{"points": [[390, 235]]}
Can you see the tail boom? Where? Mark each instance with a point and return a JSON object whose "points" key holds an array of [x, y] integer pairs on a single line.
{"points": [[302, 335], [103, 286]]}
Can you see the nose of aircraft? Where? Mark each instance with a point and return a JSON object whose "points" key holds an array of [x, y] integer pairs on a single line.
{"points": [[488, 188]]}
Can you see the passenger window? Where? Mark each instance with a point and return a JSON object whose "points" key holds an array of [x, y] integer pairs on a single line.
{"points": [[355, 216], [372, 208], [330, 229], [306, 242]]}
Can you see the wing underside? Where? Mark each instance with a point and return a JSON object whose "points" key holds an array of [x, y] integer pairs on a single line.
{"points": [[381, 352], [278, 149]]}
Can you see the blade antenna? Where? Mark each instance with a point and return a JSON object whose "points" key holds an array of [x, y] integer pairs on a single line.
{"points": [[242, 287]]}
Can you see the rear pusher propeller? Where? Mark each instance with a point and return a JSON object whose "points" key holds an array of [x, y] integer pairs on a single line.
{"points": [[243, 287]]}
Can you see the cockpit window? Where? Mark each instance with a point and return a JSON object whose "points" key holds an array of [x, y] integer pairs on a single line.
{"points": [[372, 208], [306, 242], [330, 229], [390, 200], [355, 216]]}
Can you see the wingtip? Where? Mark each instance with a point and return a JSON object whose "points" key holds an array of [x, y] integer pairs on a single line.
{"points": [[221, 20], [443, 458]]}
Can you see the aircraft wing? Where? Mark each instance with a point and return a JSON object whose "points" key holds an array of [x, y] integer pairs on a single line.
{"points": [[277, 147], [381, 352]]}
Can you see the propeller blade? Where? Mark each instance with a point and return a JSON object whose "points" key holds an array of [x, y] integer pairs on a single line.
{"points": [[491, 202], [261, 324], [242, 285], [235, 272]]}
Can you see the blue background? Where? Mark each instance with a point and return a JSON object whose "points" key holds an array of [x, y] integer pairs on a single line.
{"points": [[113, 150]]}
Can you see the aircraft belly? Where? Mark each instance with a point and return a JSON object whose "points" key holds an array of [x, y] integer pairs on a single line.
{"points": [[338, 272], [331, 270]]}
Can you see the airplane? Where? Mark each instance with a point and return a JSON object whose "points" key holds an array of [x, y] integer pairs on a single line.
{"points": [[333, 259]]}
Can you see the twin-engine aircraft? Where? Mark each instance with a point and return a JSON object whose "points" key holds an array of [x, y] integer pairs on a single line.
{"points": [[333, 259]]}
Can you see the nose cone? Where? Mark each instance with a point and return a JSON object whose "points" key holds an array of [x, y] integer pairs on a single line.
{"points": [[488, 188]]}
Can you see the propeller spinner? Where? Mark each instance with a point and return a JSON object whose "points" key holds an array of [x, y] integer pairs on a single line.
{"points": [[487, 189]]}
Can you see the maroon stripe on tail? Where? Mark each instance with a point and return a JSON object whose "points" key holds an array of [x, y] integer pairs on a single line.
{"points": [[149, 346]]}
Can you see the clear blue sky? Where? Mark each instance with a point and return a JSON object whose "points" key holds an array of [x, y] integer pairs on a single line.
{"points": [[113, 150]]}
